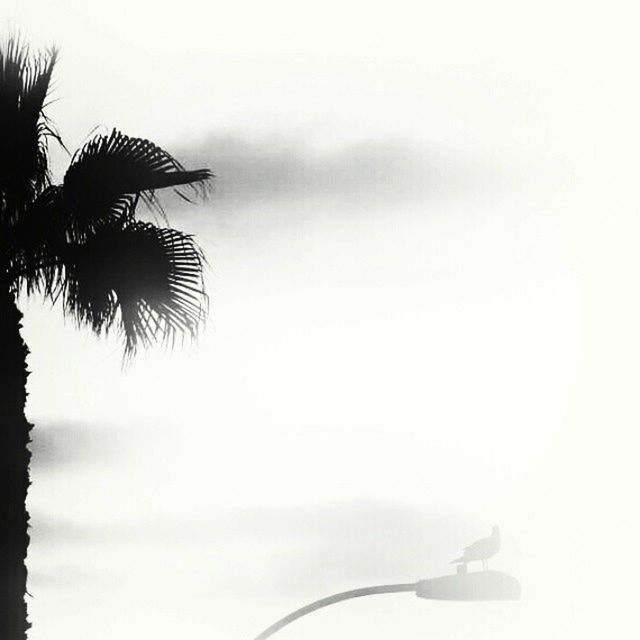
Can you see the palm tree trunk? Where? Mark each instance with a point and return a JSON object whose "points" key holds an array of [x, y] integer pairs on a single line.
{"points": [[14, 471]]}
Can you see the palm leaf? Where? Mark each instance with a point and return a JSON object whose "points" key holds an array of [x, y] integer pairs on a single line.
{"points": [[39, 244], [25, 79], [144, 280], [108, 174]]}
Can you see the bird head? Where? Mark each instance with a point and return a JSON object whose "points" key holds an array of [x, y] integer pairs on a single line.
{"points": [[495, 531]]}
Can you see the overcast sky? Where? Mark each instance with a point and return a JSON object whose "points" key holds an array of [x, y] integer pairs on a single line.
{"points": [[424, 282]]}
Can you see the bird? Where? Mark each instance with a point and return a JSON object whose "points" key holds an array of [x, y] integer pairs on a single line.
{"points": [[481, 550]]}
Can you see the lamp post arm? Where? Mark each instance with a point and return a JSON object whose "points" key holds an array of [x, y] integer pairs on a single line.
{"points": [[338, 597]]}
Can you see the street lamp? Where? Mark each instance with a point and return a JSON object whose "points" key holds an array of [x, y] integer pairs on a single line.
{"points": [[476, 586]]}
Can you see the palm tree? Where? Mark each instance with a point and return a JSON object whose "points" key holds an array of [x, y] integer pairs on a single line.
{"points": [[79, 242]]}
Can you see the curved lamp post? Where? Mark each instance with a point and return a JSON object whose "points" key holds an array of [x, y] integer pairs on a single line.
{"points": [[478, 586]]}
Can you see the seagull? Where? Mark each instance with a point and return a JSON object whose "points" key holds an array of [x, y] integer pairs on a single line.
{"points": [[481, 549]]}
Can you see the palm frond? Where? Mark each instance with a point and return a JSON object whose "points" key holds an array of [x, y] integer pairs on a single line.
{"points": [[108, 174], [39, 244], [25, 80], [144, 280]]}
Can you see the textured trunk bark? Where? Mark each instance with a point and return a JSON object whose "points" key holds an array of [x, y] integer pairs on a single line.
{"points": [[14, 471]]}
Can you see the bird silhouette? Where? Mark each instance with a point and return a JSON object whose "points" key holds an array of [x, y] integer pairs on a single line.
{"points": [[481, 550]]}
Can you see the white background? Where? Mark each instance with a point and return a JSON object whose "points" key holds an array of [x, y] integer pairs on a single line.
{"points": [[424, 321]]}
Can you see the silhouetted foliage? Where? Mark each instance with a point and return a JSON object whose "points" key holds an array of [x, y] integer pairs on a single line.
{"points": [[81, 238], [82, 242]]}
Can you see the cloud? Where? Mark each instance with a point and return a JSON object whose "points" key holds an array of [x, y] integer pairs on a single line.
{"points": [[290, 168], [320, 549], [65, 576], [65, 444], [288, 550]]}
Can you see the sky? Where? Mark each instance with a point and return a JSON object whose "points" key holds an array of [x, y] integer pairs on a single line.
{"points": [[423, 279]]}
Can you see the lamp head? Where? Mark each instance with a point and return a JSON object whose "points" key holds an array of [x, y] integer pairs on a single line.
{"points": [[477, 586]]}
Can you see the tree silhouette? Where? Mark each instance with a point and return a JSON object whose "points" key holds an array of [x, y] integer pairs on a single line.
{"points": [[80, 242]]}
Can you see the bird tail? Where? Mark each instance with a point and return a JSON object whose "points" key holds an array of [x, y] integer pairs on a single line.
{"points": [[458, 560]]}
